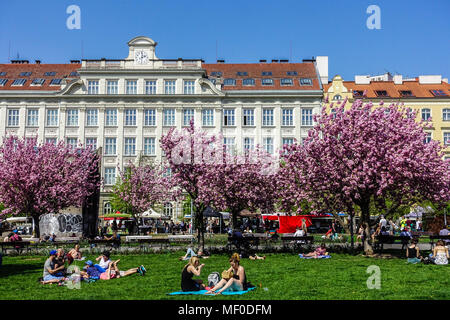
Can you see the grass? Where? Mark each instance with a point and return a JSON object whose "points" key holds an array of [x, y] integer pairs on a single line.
{"points": [[279, 277]]}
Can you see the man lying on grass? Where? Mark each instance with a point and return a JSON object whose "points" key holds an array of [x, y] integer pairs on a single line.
{"points": [[114, 272]]}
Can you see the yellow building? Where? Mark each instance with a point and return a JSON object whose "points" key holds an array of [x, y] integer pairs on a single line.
{"points": [[430, 95]]}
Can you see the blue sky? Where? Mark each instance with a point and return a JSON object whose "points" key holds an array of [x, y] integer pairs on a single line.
{"points": [[414, 37]]}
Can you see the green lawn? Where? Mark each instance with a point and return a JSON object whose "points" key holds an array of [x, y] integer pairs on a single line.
{"points": [[279, 277]]}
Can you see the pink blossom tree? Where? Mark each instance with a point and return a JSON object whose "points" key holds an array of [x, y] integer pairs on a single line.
{"points": [[142, 187], [46, 178], [362, 156], [190, 153], [241, 182]]}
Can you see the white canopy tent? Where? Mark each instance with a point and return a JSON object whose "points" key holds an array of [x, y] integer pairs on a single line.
{"points": [[150, 213]]}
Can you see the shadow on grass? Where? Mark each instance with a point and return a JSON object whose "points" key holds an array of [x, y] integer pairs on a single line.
{"points": [[26, 267]]}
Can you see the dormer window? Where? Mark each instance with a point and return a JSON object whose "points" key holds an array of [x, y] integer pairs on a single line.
{"points": [[19, 82], [267, 82], [438, 93], [381, 93], [358, 93], [50, 74], [3, 82], [406, 93], [229, 82], [306, 82], [55, 82], [25, 74], [216, 74], [38, 81], [291, 73], [248, 82], [242, 73], [286, 82], [266, 73]]}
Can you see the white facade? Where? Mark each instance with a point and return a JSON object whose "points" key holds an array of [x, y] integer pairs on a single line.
{"points": [[125, 106]]}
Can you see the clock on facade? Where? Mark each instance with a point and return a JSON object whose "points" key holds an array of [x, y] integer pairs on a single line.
{"points": [[140, 57]]}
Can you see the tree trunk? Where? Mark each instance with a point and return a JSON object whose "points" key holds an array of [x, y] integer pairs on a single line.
{"points": [[365, 218], [37, 232], [234, 219]]}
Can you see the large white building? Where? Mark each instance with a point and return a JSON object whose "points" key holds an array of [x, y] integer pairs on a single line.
{"points": [[125, 106]]}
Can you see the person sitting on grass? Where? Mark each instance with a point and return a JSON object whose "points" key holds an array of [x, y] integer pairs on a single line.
{"points": [[113, 271], [193, 268], [90, 271], [413, 252], [190, 253], [49, 274], [440, 253], [104, 263], [235, 280], [59, 262], [245, 254], [73, 254], [320, 251]]}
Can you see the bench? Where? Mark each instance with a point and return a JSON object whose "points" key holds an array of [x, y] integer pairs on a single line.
{"points": [[136, 238], [297, 241], [181, 238], [245, 242], [388, 239], [105, 243], [24, 245], [145, 244], [438, 237]]}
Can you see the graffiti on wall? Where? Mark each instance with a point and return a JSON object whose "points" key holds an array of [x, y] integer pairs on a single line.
{"points": [[63, 224]]}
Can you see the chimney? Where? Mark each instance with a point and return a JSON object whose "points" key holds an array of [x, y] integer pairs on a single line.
{"points": [[262, 61], [38, 61], [430, 79], [362, 79], [74, 61], [220, 61], [322, 68], [398, 79], [284, 61], [274, 60], [20, 61]]}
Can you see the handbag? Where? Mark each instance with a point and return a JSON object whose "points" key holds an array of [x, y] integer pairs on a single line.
{"points": [[227, 274]]}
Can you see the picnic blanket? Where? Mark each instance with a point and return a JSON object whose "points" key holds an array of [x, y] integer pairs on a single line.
{"points": [[203, 292], [301, 256]]}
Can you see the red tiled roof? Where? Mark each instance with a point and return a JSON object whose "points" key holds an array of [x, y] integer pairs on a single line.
{"points": [[254, 71], [38, 70], [393, 90]]}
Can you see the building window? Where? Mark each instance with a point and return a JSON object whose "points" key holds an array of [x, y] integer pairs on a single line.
{"points": [[406, 93], [93, 87], [112, 87], [208, 117], [288, 141], [50, 140], [267, 82], [150, 87], [149, 117], [91, 143], [91, 117], [242, 73], [55, 82], [249, 117], [111, 117], [169, 86], [38, 82], [130, 146], [229, 145], [19, 82], [337, 97], [107, 208], [130, 117], [446, 114], [52, 117], [33, 118], [149, 146], [168, 209], [266, 73], [110, 146], [307, 117], [381, 93], [229, 82], [268, 145], [248, 82], [427, 138], [249, 144], [438, 93], [188, 115], [3, 82], [287, 117], [306, 82], [72, 117], [286, 82], [110, 176], [426, 114], [169, 117], [189, 87], [72, 142], [447, 138], [131, 86], [228, 117], [13, 118], [267, 119], [291, 73]]}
